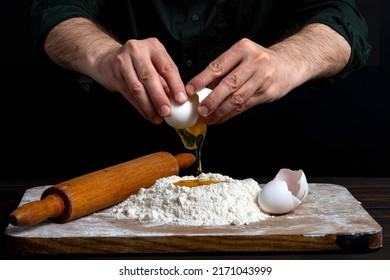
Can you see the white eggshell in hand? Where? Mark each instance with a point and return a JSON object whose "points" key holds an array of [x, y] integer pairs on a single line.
{"points": [[202, 94], [186, 115], [275, 198], [183, 115]]}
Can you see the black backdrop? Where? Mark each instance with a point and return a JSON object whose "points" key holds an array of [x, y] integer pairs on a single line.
{"points": [[49, 127]]}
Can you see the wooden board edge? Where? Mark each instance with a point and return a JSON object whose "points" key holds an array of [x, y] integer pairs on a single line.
{"points": [[194, 244]]}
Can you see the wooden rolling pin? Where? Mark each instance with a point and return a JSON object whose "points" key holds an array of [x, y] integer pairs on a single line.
{"points": [[95, 191]]}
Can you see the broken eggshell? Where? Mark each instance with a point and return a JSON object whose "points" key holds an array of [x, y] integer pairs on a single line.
{"points": [[284, 193], [185, 115], [296, 181]]}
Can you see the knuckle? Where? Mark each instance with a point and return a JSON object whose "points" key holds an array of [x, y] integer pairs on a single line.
{"points": [[146, 74], [262, 58], [154, 41], [215, 68], [240, 108], [232, 82], [135, 89], [243, 43], [131, 45], [168, 67], [156, 45], [237, 99]]}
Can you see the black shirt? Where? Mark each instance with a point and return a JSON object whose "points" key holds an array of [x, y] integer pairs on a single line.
{"points": [[196, 32]]}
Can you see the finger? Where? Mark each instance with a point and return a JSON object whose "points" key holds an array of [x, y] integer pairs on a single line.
{"points": [[165, 86], [137, 94], [154, 89], [216, 70], [230, 93], [245, 87], [170, 74], [150, 79], [232, 106], [249, 95]]}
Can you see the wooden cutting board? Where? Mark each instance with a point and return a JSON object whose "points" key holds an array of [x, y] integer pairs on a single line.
{"points": [[329, 219]]}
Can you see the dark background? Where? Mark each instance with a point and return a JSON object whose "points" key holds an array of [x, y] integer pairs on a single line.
{"points": [[49, 127]]}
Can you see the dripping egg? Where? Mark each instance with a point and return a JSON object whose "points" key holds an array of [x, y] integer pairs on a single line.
{"points": [[189, 125]]}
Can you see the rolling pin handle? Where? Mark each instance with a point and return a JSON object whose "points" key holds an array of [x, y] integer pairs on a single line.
{"points": [[37, 211], [185, 160]]}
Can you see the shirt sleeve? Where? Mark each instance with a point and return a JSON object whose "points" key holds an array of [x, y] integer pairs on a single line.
{"points": [[343, 17]]}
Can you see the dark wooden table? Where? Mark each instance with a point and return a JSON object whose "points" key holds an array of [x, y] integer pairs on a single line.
{"points": [[373, 193]]}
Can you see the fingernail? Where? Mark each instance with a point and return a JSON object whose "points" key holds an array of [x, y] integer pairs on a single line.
{"points": [[203, 111], [165, 110], [181, 97], [190, 89]]}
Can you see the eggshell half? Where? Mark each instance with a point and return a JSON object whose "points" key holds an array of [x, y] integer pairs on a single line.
{"points": [[183, 115], [285, 192], [186, 115], [275, 198], [202, 94], [296, 182]]}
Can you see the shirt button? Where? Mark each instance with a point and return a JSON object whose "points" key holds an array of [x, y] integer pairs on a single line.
{"points": [[189, 63], [195, 17]]}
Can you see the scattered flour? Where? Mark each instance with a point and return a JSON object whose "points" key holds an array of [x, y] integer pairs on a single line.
{"points": [[228, 202]]}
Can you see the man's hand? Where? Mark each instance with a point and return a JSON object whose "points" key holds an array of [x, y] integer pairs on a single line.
{"points": [[141, 70], [248, 74]]}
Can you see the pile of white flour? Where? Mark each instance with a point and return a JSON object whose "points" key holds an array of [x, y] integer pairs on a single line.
{"points": [[228, 202]]}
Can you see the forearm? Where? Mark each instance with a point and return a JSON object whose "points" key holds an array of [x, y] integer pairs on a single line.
{"points": [[78, 44], [314, 52]]}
